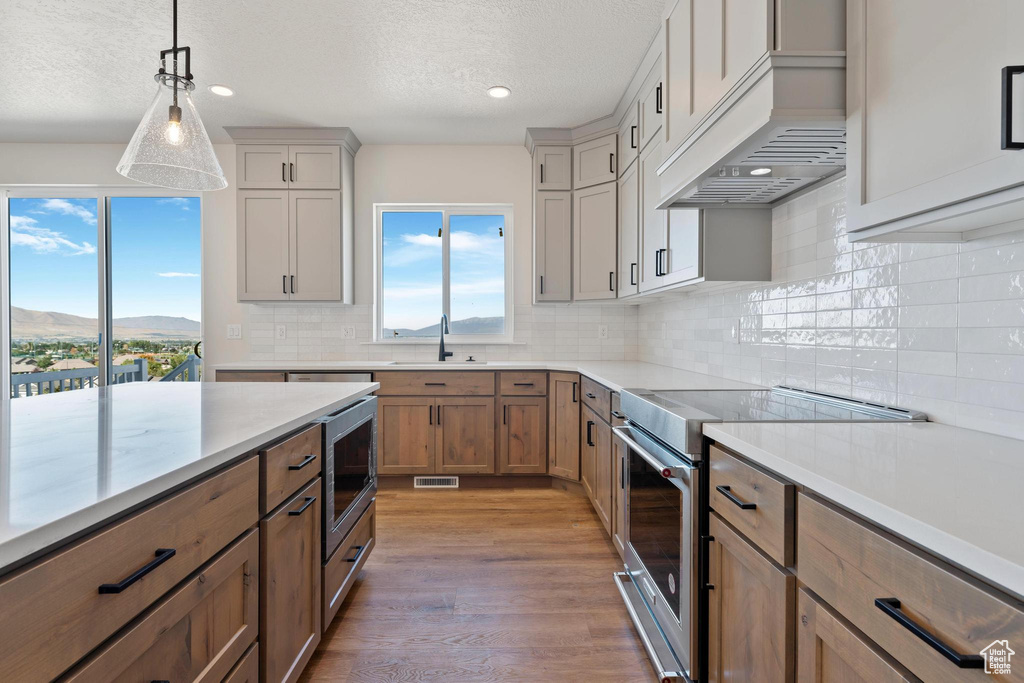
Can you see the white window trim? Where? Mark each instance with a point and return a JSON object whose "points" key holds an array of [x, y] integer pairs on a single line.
{"points": [[101, 193], [447, 211]]}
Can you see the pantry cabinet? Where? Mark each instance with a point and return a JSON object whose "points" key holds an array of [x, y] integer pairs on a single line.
{"points": [[593, 162], [523, 435], [263, 242], [925, 160], [564, 432], [594, 242], [553, 246], [296, 167], [552, 167], [629, 237]]}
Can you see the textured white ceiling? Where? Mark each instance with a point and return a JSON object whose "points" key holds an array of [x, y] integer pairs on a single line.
{"points": [[395, 71]]}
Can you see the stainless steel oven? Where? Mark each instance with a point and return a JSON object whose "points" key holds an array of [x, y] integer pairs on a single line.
{"points": [[660, 585], [350, 469]]}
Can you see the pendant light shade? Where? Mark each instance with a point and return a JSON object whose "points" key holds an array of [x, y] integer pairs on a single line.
{"points": [[170, 147]]}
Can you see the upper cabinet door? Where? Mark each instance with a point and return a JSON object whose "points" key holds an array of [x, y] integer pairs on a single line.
{"points": [[924, 123], [629, 139], [552, 168], [651, 106], [681, 260], [262, 251], [594, 162], [262, 166], [314, 167], [594, 237], [653, 221], [629, 239], [553, 246], [315, 245]]}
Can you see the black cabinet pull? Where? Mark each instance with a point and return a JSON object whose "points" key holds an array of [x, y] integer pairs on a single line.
{"points": [[622, 473], [657, 263], [632, 137], [611, 162], [504, 415], [574, 392], [618, 415], [632, 273], [291, 172], [542, 174], [293, 284], [590, 395], [438, 415], [611, 281], [657, 99], [434, 384], [541, 284], [284, 178], [431, 414], [162, 555], [296, 513], [891, 606], [308, 459], [359, 552], [590, 439], [522, 384], [727, 492], [284, 284], [1007, 109]]}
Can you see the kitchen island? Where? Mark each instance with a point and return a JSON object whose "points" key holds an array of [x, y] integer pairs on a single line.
{"points": [[132, 514]]}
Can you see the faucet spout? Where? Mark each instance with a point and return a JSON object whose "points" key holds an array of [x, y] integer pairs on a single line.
{"points": [[441, 353]]}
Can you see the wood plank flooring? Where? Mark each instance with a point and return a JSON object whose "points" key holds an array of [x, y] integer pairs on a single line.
{"points": [[484, 585]]}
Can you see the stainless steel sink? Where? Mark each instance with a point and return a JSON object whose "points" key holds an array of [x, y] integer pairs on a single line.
{"points": [[439, 363]]}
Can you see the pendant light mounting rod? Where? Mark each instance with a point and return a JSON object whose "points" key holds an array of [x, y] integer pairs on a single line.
{"points": [[175, 50]]}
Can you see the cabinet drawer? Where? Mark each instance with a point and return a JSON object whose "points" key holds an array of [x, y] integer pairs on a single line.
{"points": [[245, 376], [597, 397], [524, 383], [444, 383], [860, 571], [247, 670], [196, 633], [286, 466], [618, 417], [54, 613], [341, 570], [758, 504]]}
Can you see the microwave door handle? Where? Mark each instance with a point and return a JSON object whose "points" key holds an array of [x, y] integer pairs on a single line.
{"points": [[679, 471]]}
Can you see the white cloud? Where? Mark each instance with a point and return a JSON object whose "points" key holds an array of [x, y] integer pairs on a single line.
{"points": [[65, 207], [25, 232], [470, 241], [177, 201], [422, 240], [173, 274]]}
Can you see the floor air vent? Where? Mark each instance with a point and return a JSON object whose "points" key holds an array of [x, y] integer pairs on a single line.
{"points": [[436, 482]]}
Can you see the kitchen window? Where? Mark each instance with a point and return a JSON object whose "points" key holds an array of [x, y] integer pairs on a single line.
{"points": [[453, 259]]}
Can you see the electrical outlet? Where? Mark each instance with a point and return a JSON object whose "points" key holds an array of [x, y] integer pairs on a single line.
{"points": [[280, 331], [234, 331], [348, 332], [602, 331]]}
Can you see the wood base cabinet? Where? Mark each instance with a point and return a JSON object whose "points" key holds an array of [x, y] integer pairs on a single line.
{"points": [[596, 464], [405, 435], [290, 606], [465, 435], [341, 570], [620, 452], [435, 435], [564, 420], [750, 612], [523, 435]]}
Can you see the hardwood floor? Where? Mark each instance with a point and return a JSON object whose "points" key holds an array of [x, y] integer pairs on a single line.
{"points": [[484, 585]]}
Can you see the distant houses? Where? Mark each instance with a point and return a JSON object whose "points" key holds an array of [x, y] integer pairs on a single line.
{"points": [[71, 364], [23, 365]]}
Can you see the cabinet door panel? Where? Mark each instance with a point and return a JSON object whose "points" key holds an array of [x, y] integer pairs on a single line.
{"points": [[629, 239], [290, 586], [629, 139], [263, 243], [653, 222], [523, 443], [405, 435], [594, 242], [602, 484], [677, 97], [314, 167], [262, 167], [552, 168], [465, 435], [619, 528], [594, 162], [315, 235], [651, 100], [588, 451], [681, 261], [553, 226], [564, 434]]}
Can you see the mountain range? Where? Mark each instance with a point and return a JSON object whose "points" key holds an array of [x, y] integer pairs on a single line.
{"points": [[45, 325], [494, 325]]}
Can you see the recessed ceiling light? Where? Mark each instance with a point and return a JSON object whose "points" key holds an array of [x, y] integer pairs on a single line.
{"points": [[498, 91], [761, 171], [222, 90]]}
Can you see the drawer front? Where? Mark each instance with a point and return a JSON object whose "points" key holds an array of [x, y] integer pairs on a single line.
{"points": [[444, 383], [243, 376], [851, 566], [248, 668], [758, 504], [286, 466], [618, 417], [341, 570], [524, 383], [53, 612], [597, 397], [197, 633]]}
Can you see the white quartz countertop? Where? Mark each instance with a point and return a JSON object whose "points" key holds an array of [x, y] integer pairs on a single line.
{"points": [[72, 460], [957, 492], [616, 375]]}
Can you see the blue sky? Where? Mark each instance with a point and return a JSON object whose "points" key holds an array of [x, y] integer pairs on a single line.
{"points": [[155, 245], [412, 268]]}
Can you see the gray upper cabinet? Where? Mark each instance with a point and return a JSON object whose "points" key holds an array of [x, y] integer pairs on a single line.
{"points": [[594, 238], [651, 109], [314, 220], [629, 238], [263, 265], [552, 168], [681, 260], [924, 126], [553, 246], [629, 139], [262, 166], [653, 221], [593, 162], [296, 167]]}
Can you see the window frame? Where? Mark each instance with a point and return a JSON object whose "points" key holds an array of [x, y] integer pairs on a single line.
{"points": [[102, 194], [447, 210]]}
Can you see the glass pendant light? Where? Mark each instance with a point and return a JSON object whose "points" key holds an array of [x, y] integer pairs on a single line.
{"points": [[170, 147]]}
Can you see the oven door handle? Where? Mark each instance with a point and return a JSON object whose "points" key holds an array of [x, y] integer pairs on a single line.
{"points": [[677, 471]]}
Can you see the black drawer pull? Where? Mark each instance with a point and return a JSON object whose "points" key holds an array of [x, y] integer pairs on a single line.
{"points": [[308, 459], [162, 555], [617, 415], [727, 492], [590, 395], [434, 384], [359, 552], [522, 384], [891, 606], [296, 513]]}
